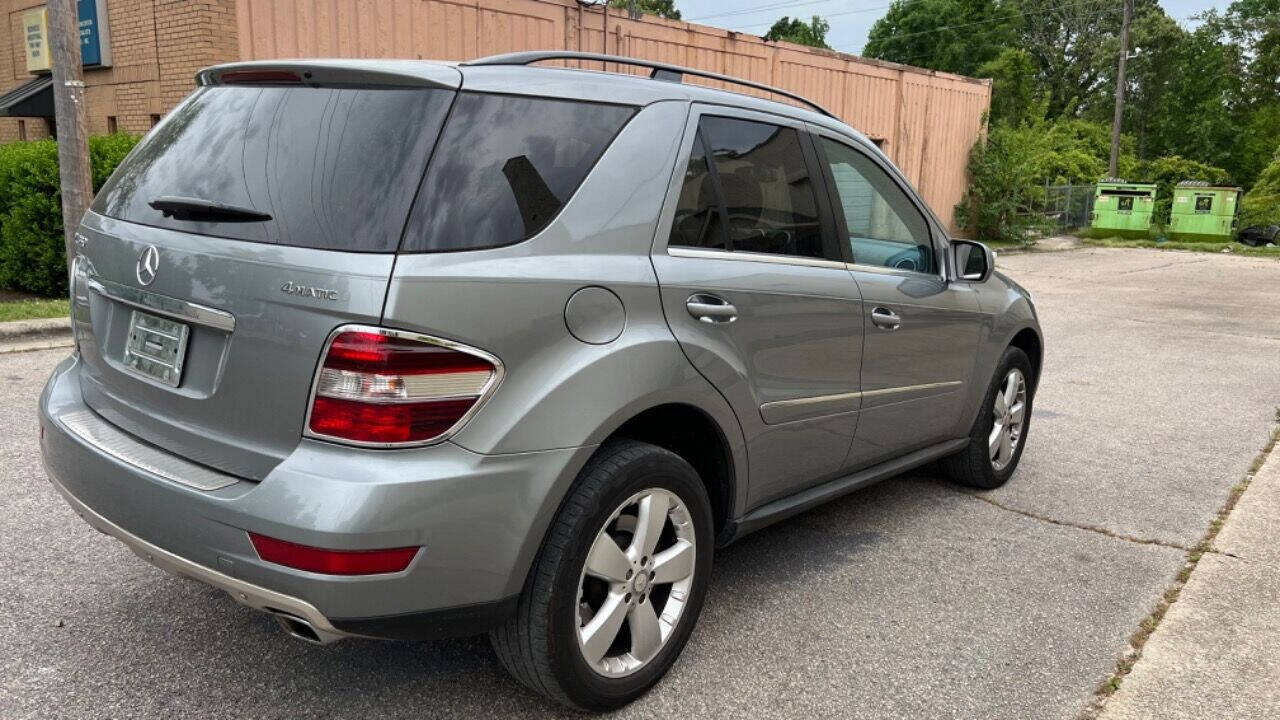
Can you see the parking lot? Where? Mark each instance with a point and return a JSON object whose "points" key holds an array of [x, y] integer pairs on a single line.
{"points": [[913, 598]]}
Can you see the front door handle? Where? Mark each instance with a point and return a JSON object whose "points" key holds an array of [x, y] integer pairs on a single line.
{"points": [[886, 319], [711, 308]]}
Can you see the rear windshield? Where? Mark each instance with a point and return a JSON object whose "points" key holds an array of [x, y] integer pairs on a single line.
{"points": [[334, 168], [504, 168]]}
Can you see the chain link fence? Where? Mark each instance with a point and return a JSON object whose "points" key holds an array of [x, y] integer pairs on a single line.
{"points": [[1068, 207]]}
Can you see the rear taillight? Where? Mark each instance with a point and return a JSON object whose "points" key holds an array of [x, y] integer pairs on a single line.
{"points": [[386, 387]]}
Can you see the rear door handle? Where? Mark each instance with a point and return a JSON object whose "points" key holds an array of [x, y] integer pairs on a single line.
{"points": [[711, 308], [886, 319]]}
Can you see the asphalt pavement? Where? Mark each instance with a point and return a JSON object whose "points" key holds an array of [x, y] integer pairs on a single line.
{"points": [[913, 598]]}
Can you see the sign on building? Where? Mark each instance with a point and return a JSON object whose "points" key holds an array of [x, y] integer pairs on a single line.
{"points": [[35, 29], [95, 40]]}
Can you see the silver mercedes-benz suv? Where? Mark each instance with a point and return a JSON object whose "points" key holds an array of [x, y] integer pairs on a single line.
{"points": [[406, 349]]}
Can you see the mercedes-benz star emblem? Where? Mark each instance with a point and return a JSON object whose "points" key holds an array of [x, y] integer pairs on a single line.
{"points": [[148, 264]]}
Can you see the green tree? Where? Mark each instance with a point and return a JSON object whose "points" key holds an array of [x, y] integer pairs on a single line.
{"points": [[661, 8], [1261, 205], [956, 36], [1194, 116], [1074, 47], [812, 33], [1014, 96]]}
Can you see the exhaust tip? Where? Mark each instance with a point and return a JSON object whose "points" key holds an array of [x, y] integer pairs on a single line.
{"points": [[298, 628]]}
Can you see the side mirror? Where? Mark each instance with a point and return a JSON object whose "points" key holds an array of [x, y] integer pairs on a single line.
{"points": [[973, 261]]}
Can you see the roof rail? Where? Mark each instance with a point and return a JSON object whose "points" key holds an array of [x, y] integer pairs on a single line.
{"points": [[658, 70]]}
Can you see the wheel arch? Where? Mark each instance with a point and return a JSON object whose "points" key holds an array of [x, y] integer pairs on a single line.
{"points": [[694, 435], [1028, 340]]}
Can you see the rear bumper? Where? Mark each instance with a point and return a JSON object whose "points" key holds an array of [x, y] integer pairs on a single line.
{"points": [[478, 518]]}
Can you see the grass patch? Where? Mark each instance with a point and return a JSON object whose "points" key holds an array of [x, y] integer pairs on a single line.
{"points": [[1007, 244], [34, 309], [1223, 248]]}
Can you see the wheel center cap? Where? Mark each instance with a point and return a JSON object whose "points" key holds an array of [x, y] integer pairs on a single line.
{"points": [[640, 582]]}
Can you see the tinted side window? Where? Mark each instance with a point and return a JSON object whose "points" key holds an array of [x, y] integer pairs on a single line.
{"points": [[505, 166], [768, 194], [883, 226], [335, 168], [697, 221]]}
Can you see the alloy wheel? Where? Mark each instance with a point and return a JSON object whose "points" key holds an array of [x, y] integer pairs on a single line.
{"points": [[1008, 418], [635, 582]]}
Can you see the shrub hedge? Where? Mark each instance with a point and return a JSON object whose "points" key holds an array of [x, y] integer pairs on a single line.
{"points": [[32, 252]]}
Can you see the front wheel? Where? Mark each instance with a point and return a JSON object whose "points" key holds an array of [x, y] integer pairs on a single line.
{"points": [[1000, 430], [618, 584]]}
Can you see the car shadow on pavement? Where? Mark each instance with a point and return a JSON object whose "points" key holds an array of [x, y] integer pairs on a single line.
{"points": [[246, 663]]}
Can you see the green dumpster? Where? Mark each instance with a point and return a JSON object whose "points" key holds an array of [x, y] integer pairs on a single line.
{"points": [[1123, 208], [1203, 212]]}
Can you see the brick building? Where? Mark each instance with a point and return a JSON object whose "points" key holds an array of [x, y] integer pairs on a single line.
{"points": [[926, 121], [156, 48]]}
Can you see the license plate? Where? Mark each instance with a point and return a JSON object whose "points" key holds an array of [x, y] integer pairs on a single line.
{"points": [[156, 347]]}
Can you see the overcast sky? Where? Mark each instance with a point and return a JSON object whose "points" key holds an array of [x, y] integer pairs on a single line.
{"points": [[850, 19]]}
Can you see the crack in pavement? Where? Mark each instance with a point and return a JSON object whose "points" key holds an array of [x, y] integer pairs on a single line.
{"points": [[1138, 641], [1091, 528], [1178, 326], [1165, 265]]}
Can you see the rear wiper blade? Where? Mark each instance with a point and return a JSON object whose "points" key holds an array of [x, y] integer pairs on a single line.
{"points": [[187, 208]]}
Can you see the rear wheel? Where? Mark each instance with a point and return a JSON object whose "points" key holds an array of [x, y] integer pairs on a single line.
{"points": [[619, 582], [1000, 431]]}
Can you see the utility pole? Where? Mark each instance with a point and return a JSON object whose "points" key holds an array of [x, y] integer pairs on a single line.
{"points": [[70, 117], [1124, 56]]}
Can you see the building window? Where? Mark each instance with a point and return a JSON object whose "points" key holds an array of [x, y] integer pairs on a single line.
{"points": [[112, 127], [22, 129], [155, 120]]}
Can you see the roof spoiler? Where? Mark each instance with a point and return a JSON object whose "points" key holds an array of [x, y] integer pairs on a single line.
{"points": [[334, 73], [658, 70]]}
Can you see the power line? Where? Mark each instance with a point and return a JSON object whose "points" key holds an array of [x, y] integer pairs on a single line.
{"points": [[787, 5], [760, 8], [1082, 16], [901, 36]]}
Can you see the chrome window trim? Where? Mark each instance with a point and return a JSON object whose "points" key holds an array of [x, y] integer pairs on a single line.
{"points": [[744, 256], [163, 304], [486, 392], [886, 270]]}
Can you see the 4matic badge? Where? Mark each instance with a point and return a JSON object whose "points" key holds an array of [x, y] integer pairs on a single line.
{"points": [[293, 288]]}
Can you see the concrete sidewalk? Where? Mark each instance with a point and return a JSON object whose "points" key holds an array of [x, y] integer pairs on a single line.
{"points": [[1216, 653]]}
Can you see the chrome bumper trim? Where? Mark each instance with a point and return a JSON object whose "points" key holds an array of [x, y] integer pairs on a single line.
{"points": [[254, 596], [107, 439]]}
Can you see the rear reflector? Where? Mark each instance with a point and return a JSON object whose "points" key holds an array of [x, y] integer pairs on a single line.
{"points": [[332, 562], [387, 388]]}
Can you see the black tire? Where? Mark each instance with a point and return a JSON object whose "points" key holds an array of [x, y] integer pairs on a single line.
{"points": [[972, 465], [539, 645]]}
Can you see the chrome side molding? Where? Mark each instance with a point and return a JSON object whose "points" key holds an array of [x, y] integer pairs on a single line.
{"points": [[780, 411]]}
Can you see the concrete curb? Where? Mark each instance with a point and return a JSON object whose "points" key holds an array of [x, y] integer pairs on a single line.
{"points": [[23, 335], [1215, 653]]}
